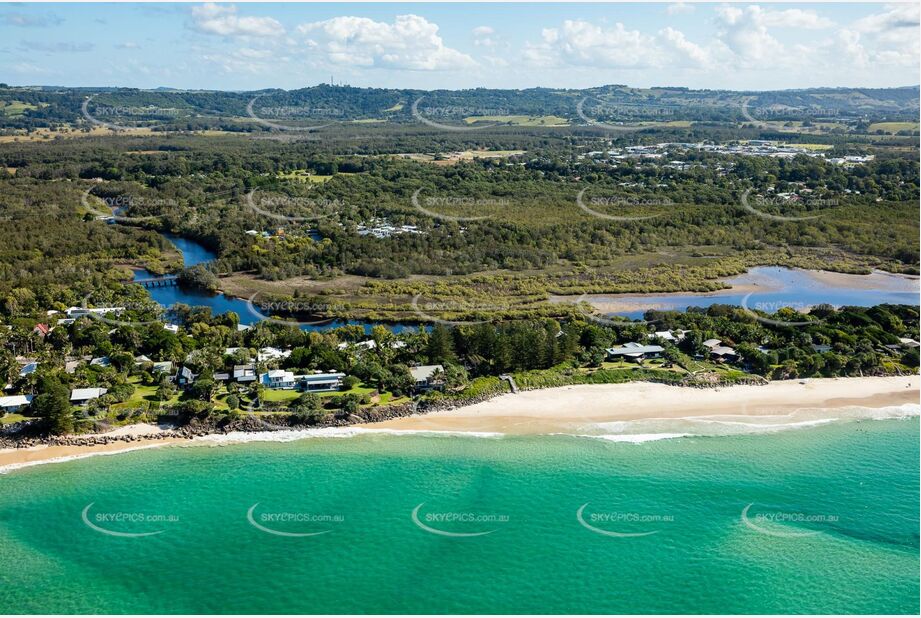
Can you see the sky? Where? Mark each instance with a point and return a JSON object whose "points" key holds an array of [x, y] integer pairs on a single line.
{"points": [[248, 46]]}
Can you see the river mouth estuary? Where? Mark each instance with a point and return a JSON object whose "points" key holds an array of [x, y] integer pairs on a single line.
{"points": [[763, 288]]}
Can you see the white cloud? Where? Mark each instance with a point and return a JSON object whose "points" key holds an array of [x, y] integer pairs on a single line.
{"points": [[483, 37], [224, 21], [410, 42], [679, 8], [691, 53], [790, 18], [894, 18], [579, 43], [745, 33], [892, 36], [872, 43]]}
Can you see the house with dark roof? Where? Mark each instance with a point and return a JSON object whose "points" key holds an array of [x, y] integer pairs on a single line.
{"points": [[635, 351]]}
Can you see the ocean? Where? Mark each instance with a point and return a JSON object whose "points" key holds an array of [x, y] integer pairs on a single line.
{"points": [[818, 519]]}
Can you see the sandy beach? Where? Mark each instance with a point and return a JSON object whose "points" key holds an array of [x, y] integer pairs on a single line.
{"points": [[579, 409], [596, 409], [149, 437]]}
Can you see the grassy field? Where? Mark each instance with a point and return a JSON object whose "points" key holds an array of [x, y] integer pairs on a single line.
{"points": [[15, 108], [521, 121], [815, 147], [304, 176], [41, 135], [894, 127]]}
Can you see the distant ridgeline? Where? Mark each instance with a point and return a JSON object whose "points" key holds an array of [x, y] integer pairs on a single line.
{"points": [[166, 109]]}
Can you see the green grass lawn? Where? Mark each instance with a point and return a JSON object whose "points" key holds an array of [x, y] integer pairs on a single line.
{"points": [[143, 394], [13, 418], [894, 127]]}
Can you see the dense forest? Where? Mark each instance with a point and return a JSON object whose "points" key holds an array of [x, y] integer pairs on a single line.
{"points": [[538, 218], [187, 110]]}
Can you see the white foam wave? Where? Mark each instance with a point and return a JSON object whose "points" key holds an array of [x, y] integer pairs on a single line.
{"points": [[739, 424], [635, 438], [291, 435]]}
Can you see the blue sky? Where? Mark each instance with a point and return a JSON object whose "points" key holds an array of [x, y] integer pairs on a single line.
{"points": [[258, 45]]}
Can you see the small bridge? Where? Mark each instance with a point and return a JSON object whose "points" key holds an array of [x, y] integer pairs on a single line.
{"points": [[158, 282]]}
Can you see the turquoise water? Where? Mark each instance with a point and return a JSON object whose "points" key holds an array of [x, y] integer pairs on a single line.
{"points": [[856, 483]]}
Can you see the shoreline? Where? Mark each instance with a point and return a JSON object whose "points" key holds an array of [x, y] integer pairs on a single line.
{"points": [[597, 409], [628, 412], [747, 283]]}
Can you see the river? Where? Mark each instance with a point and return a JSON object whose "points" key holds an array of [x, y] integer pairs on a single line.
{"points": [[195, 253]]}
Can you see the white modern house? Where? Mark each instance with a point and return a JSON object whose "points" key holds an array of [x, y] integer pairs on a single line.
{"points": [[287, 380], [278, 378], [320, 381]]}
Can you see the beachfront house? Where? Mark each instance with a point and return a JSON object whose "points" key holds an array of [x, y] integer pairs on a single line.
{"points": [[278, 378], [723, 354], [15, 403], [329, 381], [244, 373], [636, 352], [82, 396], [313, 382], [427, 377], [186, 377]]}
